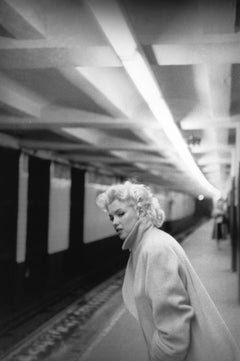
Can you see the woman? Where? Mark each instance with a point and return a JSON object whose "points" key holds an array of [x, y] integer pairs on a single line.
{"points": [[161, 289]]}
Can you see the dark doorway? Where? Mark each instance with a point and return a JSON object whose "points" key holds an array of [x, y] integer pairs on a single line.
{"points": [[37, 224], [76, 220], [9, 175]]}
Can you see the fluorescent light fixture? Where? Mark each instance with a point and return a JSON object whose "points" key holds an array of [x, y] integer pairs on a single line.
{"points": [[142, 76], [112, 20]]}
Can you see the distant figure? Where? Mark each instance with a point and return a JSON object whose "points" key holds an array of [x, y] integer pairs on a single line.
{"points": [[219, 226], [161, 289]]}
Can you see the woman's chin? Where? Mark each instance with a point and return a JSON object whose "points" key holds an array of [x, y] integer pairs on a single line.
{"points": [[121, 235]]}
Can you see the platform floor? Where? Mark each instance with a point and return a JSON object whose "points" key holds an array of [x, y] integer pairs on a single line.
{"points": [[104, 331], [122, 341]]}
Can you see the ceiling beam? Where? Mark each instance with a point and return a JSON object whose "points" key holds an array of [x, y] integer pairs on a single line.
{"points": [[123, 95], [213, 160], [95, 89], [31, 54], [87, 119], [219, 17], [47, 53], [229, 122], [196, 53], [95, 158], [113, 144], [211, 148], [198, 38], [95, 138], [73, 119], [20, 20], [124, 159], [19, 98], [100, 140], [219, 81], [145, 158]]}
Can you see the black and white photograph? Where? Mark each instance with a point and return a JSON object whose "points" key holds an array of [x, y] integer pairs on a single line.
{"points": [[120, 180]]}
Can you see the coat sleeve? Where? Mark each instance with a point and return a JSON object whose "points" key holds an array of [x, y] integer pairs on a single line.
{"points": [[169, 302]]}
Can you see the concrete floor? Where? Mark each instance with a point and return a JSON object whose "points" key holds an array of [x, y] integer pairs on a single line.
{"points": [[121, 339]]}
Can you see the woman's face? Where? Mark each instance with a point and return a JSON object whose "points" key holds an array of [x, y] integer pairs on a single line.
{"points": [[123, 217]]}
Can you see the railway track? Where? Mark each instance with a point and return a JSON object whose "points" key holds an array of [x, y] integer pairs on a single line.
{"points": [[81, 296], [43, 326]]}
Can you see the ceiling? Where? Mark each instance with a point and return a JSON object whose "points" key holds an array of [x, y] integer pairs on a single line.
{"points": [[144, 89]]}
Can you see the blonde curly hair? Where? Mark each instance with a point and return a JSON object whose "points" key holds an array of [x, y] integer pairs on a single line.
{"points": [[139, 196]]}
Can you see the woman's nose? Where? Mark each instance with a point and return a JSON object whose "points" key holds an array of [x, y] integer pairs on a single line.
{"points": [[115, 221]]}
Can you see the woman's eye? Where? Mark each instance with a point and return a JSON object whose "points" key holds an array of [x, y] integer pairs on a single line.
{"points": [[121, 214]]}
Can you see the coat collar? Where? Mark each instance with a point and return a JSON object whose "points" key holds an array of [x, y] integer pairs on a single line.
{"points": [[136, 234]]}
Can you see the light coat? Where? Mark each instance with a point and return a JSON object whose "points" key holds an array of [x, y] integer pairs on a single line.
{"points": [[163, 292]]}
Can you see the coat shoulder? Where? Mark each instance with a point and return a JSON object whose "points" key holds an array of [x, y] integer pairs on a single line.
{"points": [[157, 241]]}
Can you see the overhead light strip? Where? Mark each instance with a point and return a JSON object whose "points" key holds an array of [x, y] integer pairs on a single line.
{"points": [[117, 29], [141, 75]]}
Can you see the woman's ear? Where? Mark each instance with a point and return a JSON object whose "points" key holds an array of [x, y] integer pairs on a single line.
{"points": [[140, 212]]}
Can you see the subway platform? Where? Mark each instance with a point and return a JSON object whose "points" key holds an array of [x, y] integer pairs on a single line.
{"points": [[98, 328]]}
